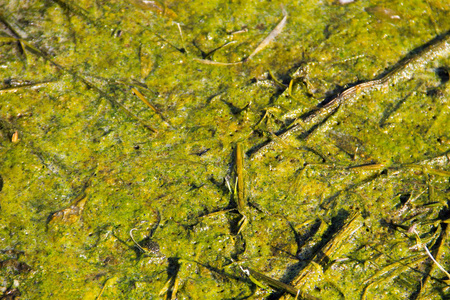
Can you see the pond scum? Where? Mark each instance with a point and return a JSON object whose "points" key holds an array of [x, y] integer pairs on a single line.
{"points": [[136, 164]]}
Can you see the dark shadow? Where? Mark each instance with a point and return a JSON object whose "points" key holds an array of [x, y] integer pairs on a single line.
{"points": [[317, 255], [391, 109]]}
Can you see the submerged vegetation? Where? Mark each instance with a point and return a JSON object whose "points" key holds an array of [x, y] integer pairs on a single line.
{"points": [[224, 149]]}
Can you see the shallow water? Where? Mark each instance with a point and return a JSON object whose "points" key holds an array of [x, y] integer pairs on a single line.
{"points": [[93, 160]]}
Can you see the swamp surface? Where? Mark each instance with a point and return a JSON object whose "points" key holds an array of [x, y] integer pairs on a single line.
{"points": [[145, 156]]}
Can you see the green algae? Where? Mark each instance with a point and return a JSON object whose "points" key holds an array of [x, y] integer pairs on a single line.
{"points": [[87, 169]]}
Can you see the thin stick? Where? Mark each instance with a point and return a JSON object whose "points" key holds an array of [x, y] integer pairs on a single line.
{"points": [[137, 245], [254, 276], [330, 249], [403, 69], [181, 35], [272, 35], [218, 63], [30, 86], [140, 96], [240, 177], [103, 289], [440, 46], [419, 242]]}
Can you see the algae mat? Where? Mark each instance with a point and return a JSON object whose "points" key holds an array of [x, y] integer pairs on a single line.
{"points": [[224, 149]]}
